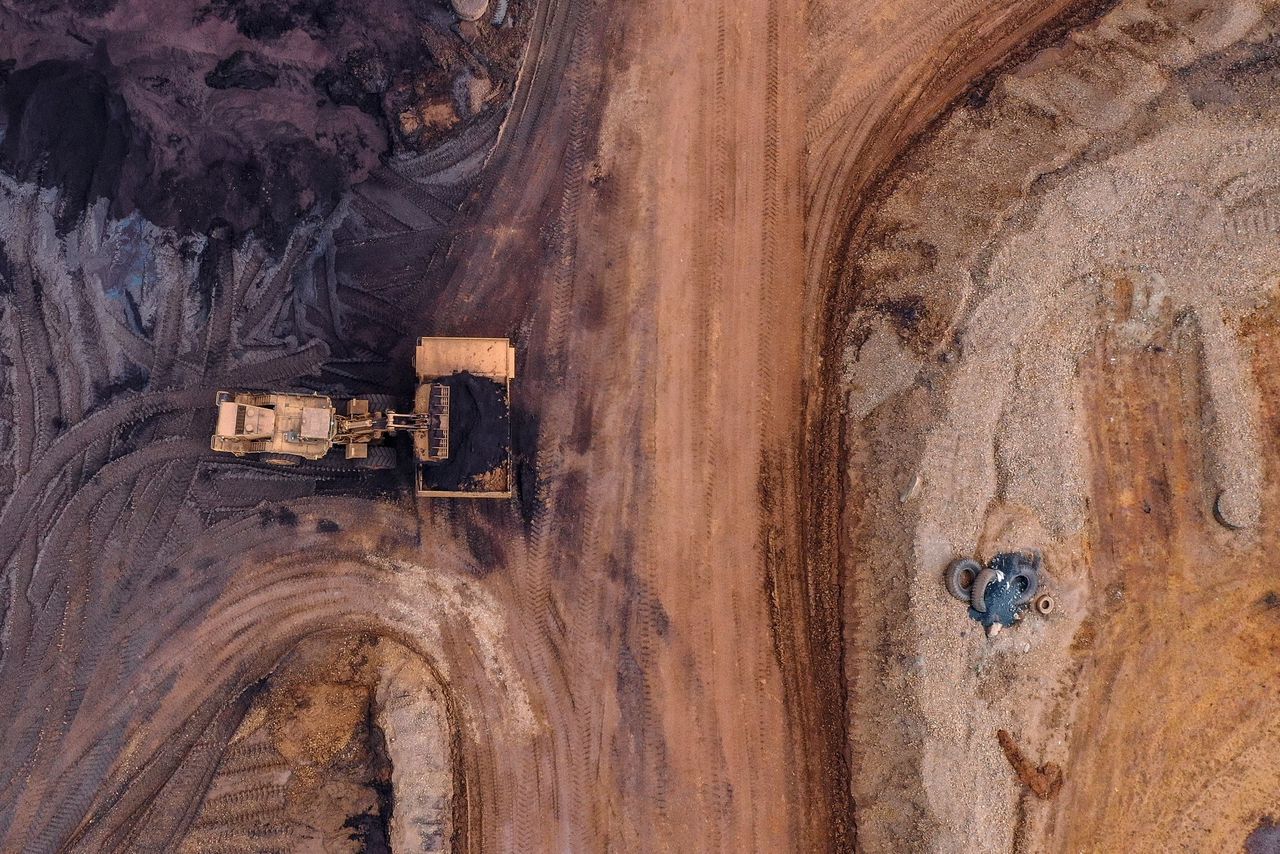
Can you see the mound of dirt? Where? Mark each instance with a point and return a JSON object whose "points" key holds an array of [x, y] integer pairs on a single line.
{"points": [[479, 433], [254, 114], [343, 748]]}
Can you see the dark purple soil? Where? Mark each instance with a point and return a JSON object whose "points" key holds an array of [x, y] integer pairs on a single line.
{"points": [[85, 156], [1265, 838], [235, 122], [250, 113]]}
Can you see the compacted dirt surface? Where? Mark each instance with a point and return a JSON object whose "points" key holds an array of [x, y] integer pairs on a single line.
{"points": [[809, 299]]}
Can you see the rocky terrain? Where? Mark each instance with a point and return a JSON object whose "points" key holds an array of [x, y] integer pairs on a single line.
{"points": [[1062, 343]]}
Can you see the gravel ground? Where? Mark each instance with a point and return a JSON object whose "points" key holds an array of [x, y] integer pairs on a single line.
{"points": [[1113, 193]]}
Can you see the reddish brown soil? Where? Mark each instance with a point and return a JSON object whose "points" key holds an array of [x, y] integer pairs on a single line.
{"points": [[711, 620]]}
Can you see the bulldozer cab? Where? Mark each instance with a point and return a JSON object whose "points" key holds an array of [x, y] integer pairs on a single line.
{"points": [[242, 421], [301, 426]]}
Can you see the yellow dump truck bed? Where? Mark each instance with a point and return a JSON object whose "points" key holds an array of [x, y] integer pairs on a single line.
{"points": [[486, 357], [471, 379]]}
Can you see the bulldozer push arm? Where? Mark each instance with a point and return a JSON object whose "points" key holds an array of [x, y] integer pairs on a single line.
{"points": [[365, 427]]}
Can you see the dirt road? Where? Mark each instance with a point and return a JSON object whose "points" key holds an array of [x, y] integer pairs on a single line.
{"points": [[636, 656], [617, 663], [666, 523]]}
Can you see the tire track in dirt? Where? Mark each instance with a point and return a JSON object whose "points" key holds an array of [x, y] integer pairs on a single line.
{"points": [[711, 266], [439, 167], [168, 338], [80, 492], [918, 42], [261, 305], [300, 602], [804, 602], [303, 361], [711, 710], [421, 196], [847, 153], [589, 588], [567, 225], [240, 270], [848, 142], [25, 413], [37, 358], [51, 575], [573, 722], [130, 409], [708, 329]]}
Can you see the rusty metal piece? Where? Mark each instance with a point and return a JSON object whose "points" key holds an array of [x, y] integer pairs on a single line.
{"points": [[1044, 781]]}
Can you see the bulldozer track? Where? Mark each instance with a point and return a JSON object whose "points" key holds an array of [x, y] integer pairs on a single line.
{"points": [[248, 803], [92, 510], [303, 361], [32, 345], [25, 413], [439, 165], [221, 326], [168, 336], [550, 456], [401, 187], [267, 301], [553, 659], [72, 443], [571, 194], [252, 759], [72, 516]]}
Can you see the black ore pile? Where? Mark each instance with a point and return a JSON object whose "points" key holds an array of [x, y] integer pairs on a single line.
{"points": [[66, 129], [479, 432]]}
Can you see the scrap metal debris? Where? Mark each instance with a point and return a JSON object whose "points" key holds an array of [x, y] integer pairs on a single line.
{"points": [[1044, 781], [998, 593]]}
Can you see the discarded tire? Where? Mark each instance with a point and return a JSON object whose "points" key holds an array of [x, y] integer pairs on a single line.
{"points": [[1030, 583], [1229, 514], [1045, 604], [978, 595], [960, 577]]}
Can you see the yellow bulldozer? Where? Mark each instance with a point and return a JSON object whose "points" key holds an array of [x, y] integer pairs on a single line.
{"points": [[460, 422]]}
